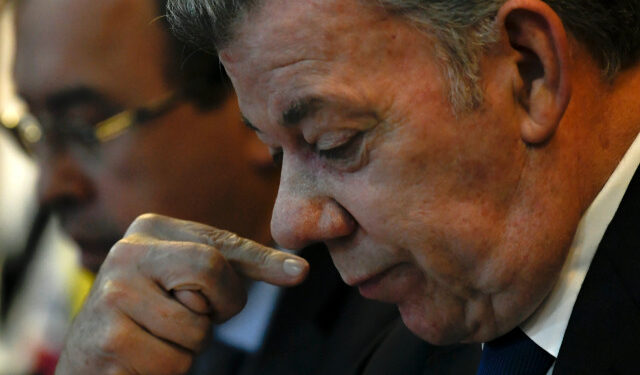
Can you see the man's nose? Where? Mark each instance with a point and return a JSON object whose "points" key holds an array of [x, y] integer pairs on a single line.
{"points": [[62, 179], [304, 214]]}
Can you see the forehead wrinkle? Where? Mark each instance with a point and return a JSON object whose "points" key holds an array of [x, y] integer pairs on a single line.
{"points": [[311, 99], [272, 34], [281, 41], [287, 62]]}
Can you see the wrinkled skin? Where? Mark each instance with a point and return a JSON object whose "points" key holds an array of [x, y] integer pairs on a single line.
{"points": [[159, 291], [462, 220]]}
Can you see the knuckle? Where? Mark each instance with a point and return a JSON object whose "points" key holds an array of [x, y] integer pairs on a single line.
{"points": [[113, 293], [114, 340], [221, 237], [217, 264], [263, 258], [211, 234], [148, 217], [123, 252], [207, 264], [144, 223]]}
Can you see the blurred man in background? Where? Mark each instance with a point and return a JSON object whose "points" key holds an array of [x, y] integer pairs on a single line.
{"points": [[40, 280], [134, 122]]}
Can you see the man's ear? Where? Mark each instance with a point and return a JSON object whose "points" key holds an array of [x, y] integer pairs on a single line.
{"points": [[537, 36]]}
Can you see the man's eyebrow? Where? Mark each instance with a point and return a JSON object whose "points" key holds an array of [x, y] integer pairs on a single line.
{"points": [[74, 95], [297, 111], [300, 109]]}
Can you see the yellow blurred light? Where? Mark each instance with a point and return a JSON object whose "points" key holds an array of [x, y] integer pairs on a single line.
{"points": [[10, 117], [32, 133]]}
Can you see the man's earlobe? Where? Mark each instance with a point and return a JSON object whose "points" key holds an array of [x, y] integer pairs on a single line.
{"points": [[537, 36]]}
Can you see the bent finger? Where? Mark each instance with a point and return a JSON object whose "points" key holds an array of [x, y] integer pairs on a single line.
{"points": [[188, 267], [250, 258], [152, 308]]}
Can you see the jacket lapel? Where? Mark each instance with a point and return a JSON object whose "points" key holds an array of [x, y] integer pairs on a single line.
{"points": [[401, 352], [603, 335]]}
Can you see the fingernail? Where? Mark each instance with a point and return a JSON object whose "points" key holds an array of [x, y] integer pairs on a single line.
{"points": [[293, 267]]}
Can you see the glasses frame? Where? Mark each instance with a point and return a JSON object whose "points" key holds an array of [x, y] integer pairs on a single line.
{"points": [[116, 125], [89, 135]]}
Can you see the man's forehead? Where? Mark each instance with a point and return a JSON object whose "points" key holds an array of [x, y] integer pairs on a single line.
{"points": [[69, 43], [285, 47], [65, 16], [282, 32], [81, 24]]}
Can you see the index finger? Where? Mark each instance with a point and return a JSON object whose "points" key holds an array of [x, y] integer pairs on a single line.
{"points": [[248, 257]]}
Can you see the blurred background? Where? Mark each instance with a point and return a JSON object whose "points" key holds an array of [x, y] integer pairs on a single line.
{"points": [[41, 283], [132, 120]]}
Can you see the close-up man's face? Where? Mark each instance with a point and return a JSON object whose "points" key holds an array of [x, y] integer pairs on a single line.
{"points": [[418, 206], [81, 61]]}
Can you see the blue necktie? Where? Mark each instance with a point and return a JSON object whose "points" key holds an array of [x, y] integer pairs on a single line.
{"points": [[514, 354]]}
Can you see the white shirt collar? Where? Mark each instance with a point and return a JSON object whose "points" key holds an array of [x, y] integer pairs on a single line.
{"points": [[547, 325]]}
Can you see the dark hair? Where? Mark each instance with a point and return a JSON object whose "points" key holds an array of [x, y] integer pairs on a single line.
{"points": [[194, 71], [610, 30]]}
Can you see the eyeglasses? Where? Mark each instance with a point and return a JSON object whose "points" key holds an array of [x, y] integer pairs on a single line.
{"points": [[79, 134], [117, 124]]}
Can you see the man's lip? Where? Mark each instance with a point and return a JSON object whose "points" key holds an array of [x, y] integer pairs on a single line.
{"points": [[369, 278], [391, 285], [375, 286]]}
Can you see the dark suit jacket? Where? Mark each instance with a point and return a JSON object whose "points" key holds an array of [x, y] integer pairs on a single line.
{"points": [[318, 327], [324, 327], [603, 335], [401, 352]]}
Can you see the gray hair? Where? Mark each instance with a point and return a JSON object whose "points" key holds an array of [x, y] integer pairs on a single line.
{"points": [[610, 30]]}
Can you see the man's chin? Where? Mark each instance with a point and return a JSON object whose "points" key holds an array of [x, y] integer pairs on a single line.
{"points": [[434, 331]]}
